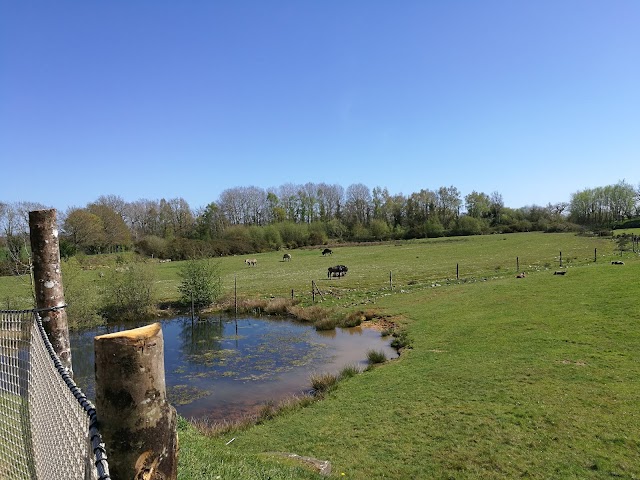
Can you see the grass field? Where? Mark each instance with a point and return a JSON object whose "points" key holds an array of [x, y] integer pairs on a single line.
{"points": [[411, 264], [536, 377]]}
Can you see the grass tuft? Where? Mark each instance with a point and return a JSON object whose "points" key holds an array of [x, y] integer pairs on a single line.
{"points": [[348, 371], [376, 356], [323, 382]]}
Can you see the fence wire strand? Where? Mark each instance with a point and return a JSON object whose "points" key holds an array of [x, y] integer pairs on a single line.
{"points": [[48, 427]]}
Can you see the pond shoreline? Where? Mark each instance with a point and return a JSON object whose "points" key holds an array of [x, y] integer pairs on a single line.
{"points": [[221, 367]]}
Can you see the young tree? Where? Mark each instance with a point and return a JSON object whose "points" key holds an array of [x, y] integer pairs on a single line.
{"points": [[200, 285]]}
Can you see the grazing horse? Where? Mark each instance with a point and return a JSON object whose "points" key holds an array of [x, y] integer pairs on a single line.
{"points": [[337, 271], [286, 257], [252, 262], [326, 251]]}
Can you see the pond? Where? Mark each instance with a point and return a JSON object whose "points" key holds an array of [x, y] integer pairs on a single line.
{"points": [[222, 368]]}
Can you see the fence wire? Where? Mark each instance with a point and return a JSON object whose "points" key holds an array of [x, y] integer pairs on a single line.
{"points": [[48, 428]]}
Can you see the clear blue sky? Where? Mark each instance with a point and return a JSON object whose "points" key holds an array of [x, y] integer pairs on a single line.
{"points": [[152, 99]]}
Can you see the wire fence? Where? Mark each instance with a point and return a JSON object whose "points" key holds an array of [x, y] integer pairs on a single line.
{"points": [[48, 428]]}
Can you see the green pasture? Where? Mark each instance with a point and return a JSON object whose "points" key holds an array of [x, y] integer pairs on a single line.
{"points": [[410, 264], [509, 378]]}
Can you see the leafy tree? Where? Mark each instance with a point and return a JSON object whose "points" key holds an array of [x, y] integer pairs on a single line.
{"points": [[496, 207], [275, 211], [478, 205], [200, 284], [448, 205], [115, 233], [84, 230]]}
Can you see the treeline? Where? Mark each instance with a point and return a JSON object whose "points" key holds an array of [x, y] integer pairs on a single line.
{"points": [[252, 219]]}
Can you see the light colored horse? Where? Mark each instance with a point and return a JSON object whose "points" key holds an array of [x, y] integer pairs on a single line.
{"points": [[252, 262], [286, 257]]}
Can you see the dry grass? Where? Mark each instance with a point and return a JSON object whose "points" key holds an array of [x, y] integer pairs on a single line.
{"points": [[311, 314], [323, 382], [266, 412]]}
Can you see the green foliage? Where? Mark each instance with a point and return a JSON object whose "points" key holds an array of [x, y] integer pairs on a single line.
{"points": [[400, 340], [272, 238], [379, 230], [323, 382], [349, 371], [467, 225], [128, 291], [318, 234], [630, 223], [293, 234], [200, 282], [81, 294], [376, 356], [433, 229], [153, 246]]}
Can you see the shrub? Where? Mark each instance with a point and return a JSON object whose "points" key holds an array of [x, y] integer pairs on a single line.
{"points": [[309, 314], [153, 246], [348, 371], [352, 320], [323, 382], [376, 356], [400, 340], [325, 324], [129, 291]]}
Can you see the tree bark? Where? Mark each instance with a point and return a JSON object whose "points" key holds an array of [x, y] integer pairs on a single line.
{"points": [[138, 424], [47, 276]]}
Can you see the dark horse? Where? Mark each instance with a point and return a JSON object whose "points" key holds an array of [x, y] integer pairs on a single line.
{"points": [[327, 251], [337, 271]]}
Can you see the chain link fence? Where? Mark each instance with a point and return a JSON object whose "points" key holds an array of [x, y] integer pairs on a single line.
{"points": [[48, 428]]}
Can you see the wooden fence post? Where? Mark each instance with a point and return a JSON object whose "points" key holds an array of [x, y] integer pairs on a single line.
{"points": [[561, 258], [45, 252], [136, 421], [457, 270], [517, 264]]}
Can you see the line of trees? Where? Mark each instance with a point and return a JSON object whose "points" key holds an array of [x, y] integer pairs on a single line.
{"points": [[605, 206], [250, 219]]}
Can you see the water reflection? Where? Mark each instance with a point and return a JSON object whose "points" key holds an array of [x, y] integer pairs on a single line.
{"points": [[220, 367]]}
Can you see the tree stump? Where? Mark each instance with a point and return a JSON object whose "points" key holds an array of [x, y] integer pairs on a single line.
{"points": [[138, 425]]}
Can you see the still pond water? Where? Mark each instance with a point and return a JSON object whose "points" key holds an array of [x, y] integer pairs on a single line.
{"points": [[221, 368]]}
